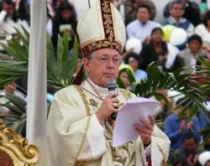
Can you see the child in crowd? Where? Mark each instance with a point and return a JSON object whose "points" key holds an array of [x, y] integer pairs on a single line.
{"points": [[194, 51], [134, 60]]}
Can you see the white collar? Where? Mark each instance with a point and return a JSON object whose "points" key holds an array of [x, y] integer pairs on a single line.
{"points": [[102, 91]]}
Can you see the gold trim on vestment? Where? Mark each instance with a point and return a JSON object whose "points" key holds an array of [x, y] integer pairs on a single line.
{"points": [[126, 94], [127, 149], [93, 103], [82, 94], [163, 163], [79, 89]]}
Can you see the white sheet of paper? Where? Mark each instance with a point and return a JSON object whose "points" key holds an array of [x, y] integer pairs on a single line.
{"points": [[130, 114]]}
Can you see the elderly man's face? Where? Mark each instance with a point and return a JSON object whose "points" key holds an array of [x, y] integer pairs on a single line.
{"points": [[103, 66]]}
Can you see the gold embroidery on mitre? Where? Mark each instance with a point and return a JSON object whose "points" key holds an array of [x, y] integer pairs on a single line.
{"points": [[108, 26]]}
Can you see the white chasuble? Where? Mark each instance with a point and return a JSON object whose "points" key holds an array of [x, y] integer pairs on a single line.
{"points": [[76, 138]]}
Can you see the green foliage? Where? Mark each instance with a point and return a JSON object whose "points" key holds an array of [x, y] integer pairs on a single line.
{"points": [[60, 72], [60, 69], [180, 80], [16, 119], [15, 65]]}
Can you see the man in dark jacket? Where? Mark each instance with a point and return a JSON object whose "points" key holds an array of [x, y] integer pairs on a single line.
{"points": [[191, 11]]}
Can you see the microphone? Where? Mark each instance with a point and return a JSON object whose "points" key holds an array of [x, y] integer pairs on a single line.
{"points": [[111, 85]]}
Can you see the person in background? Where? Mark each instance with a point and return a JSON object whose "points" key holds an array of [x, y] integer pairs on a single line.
{"points": [[123, 75], [189, 152], [194, 51], [158, 51], [176, 18], [134, 60], [155, 51], [191, 11], [176, 126], [24, 11], [64, 23], [9, 19], [142, 27], [131, 6], [174, 159]]}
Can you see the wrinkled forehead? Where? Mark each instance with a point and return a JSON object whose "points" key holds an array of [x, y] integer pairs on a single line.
{"points": [[107, 52]]}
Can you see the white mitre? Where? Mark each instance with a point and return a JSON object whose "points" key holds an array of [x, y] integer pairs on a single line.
{"points": [[101, 27]]}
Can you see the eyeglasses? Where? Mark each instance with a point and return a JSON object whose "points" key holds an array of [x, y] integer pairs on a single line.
{"points": [[105, 59]]}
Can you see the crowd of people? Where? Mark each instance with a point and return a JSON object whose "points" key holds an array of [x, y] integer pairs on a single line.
{"points": [[145, 21]]}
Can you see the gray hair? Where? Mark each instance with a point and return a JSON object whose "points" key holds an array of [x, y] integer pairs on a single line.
{"points": [[92, 54]]}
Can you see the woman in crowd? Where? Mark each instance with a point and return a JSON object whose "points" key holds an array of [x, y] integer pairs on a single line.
{"points": [[123, 75], [64, 23], [9, 19], [158, 51]]}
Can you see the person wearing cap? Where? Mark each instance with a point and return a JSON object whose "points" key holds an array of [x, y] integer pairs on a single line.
{"points": [[79, 132], [176, 126], [123, 75]]}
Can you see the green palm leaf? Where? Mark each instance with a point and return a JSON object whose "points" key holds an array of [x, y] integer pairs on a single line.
{"points": [[72, 64], [24, 37], [178, 81], [60, 70], [17, 101]]}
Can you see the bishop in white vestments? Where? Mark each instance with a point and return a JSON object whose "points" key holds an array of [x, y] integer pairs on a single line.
{"points": [[79, 129]]}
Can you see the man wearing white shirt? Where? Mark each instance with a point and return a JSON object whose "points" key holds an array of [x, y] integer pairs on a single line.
{"points": [[142, 27]]}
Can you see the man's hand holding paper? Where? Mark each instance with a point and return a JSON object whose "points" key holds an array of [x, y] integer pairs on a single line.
{"points": [[135, 119], [145, 130]]}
